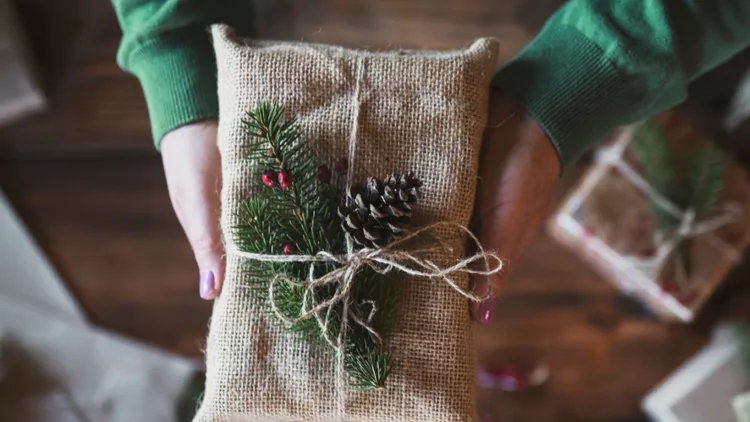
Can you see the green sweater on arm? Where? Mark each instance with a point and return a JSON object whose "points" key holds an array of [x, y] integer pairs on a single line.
{"points": [[166, 44], [597, 64]]}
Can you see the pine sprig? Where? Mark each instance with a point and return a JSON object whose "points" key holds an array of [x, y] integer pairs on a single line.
{"points": [[652, 150], [706, 170], [368, 371], [303, 217], [701, 189]]}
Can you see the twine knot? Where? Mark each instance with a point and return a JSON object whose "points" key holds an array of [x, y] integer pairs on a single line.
{"points": [[687, 225], [690, 225], [412, 262]]}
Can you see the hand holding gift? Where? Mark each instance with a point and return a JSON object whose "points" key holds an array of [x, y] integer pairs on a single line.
{"points": [[518, 171], [277, 263], [305, 255]]}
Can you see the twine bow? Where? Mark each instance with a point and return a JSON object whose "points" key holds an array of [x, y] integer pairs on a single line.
{"points": [[689, 225], [394, 256], [414, 262]]}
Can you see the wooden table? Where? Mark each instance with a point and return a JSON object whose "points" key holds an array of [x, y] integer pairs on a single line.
{"points": [[86, 180]]}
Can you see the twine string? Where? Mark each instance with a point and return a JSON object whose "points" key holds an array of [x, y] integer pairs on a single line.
{"points": [[396, 256], [690, 226]]}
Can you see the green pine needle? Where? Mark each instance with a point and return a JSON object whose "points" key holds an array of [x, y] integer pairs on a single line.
{"points": [[652, 150], [702, 186], [706, 170], [305, 216], [368, 371]]}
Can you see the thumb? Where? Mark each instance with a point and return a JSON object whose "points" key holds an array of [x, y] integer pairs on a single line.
{"points": [[193, 171], [519, 169], [201, 225], [489, 231]]}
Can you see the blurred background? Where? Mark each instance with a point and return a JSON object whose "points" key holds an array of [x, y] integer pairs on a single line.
{"points": [[77, 164]]}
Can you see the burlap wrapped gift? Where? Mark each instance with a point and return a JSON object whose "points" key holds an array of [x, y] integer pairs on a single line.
{"points": [[609, 220], [406, 111]]}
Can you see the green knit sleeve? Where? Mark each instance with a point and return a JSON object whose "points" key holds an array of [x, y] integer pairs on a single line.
{"points": [[167, 46], [600, 64]]}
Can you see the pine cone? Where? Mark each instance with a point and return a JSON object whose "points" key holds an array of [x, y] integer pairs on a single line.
{"points": [[380, 212]]}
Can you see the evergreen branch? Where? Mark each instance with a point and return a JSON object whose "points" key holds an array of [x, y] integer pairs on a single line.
{"points": [[652, 150], [703, 182], [368, 371], [385, 293], [304, 216], [706, 170]]}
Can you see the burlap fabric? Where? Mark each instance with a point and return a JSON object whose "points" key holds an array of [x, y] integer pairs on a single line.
{"points": [[423, 112]]}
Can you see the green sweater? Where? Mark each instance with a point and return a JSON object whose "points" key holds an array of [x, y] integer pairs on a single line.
{"points": [[597, 64]]}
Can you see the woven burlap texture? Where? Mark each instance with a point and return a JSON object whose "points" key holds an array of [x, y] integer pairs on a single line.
{"points": [[411, 111]]}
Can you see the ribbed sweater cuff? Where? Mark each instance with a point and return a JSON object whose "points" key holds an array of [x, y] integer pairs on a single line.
{"points": [[565, 82], [177, 71]]}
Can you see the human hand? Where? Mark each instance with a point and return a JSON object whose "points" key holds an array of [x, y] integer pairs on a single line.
{"points": [[518, 171], [193, 170]]}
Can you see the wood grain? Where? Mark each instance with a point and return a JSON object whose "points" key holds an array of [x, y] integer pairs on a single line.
{"points": [[108, 226]]}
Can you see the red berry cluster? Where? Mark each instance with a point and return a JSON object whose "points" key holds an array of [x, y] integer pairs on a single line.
{"points": [[270, 178], [341, 166], [324, 172], [283, 179]]}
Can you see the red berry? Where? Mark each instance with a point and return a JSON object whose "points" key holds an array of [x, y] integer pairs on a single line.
{"points": [[341, 166], [288, 249], [671, 288], [688, 299], [269, 178], [324, 174], [285, 180]]}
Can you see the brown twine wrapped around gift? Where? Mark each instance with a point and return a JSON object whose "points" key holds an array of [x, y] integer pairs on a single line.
{"points": [[415, 263], [688, 228], [412, 262]]}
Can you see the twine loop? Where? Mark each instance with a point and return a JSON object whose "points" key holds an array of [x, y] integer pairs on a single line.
{"points": [[690, 225], [394, 256]]}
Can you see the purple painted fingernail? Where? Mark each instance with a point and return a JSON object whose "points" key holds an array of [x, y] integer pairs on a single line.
{"points": [[206, 287], [486, 311]]}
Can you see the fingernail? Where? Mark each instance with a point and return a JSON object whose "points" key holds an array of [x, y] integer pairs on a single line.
{"points": [[206, 287], [486, 311]]}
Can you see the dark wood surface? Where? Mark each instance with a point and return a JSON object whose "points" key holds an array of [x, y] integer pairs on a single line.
{"points": [[86, 180]]}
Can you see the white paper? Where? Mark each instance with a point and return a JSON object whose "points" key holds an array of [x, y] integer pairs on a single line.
{"points": [[703, 388], [741, 404], [46, 407], [25, 273], [107, 378], [739, 110], [20, 93], [58, 367]]}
